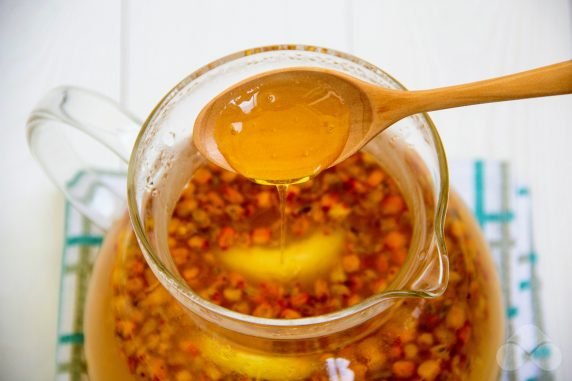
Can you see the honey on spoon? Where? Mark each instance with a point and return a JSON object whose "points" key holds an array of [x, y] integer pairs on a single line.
{"points": [[285, 126]]}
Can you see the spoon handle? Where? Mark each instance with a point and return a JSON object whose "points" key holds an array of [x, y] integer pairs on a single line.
{"points": [[544, 81]]}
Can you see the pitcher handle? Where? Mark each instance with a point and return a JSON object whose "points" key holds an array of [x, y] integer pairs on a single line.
{"points": [[83, 141]]}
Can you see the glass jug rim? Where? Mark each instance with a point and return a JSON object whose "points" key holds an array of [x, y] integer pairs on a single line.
{"points": [[138, 225]]}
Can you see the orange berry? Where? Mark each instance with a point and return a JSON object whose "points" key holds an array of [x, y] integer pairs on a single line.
{"points": [[375, 178], [289, 313], [403, 368], [351, 263], [232, 294], [261, 236], [202, 176], [392, 204], [264, 310], [395, 239], [429, 370], [190, 273], [226, 237], [299, 300], [456, 317], [197, 242], [264, 199]]}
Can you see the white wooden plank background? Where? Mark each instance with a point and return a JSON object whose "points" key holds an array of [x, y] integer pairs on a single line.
{"points": [[134, 51]]}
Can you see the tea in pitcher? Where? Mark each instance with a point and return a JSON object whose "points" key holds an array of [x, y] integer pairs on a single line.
{"points": [[349, 229]]}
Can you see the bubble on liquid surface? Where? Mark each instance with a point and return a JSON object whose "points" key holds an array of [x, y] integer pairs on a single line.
{"points": [[329, 127], [271, 98], [236, 128]]}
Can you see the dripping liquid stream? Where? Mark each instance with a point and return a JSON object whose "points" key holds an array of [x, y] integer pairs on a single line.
{"points": [[282, 189]]}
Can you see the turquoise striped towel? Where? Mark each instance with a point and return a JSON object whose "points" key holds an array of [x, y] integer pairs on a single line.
{"points": [[502, 208]]}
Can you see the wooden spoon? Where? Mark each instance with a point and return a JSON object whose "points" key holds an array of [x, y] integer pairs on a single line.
{"points": [[376, 108]]}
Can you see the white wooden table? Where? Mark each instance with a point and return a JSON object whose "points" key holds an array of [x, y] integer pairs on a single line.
{"points": [[134, 51]]}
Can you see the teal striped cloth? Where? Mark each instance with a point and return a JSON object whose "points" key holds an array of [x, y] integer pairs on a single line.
{"points": [[502, 208]]}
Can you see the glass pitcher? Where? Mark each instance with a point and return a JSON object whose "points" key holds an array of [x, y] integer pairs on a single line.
{"points": [[416, 328]]}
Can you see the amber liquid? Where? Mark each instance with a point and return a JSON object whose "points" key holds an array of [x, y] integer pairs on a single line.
{"points": [[113, 300]]}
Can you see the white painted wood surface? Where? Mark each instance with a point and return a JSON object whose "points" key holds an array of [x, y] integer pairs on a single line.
{"points": [[134, 51]]}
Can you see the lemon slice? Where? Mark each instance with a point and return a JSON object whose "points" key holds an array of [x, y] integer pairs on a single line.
{"points": [[255, 365], [302, 260]]}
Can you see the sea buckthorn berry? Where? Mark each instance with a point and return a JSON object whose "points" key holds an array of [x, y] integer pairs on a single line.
{"points": [[375, 178], [242, 307], [456, 317], [339, 211], [201, 218], [338, 275], [215, 200], [202, 176], [299, 299], [226, 237], [403, 368], [425, 340], [264, 310], [180, 255], [429, 370], [197, 242], [191, 273], [395, 239], [354, 299], [232, 195], [264, 199], [125, 328], [185, 208], [235, 212], [392, 204], [411, 351], [351, 263], [261, 236], [232, 294], [289, 313], [228, 176]]}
